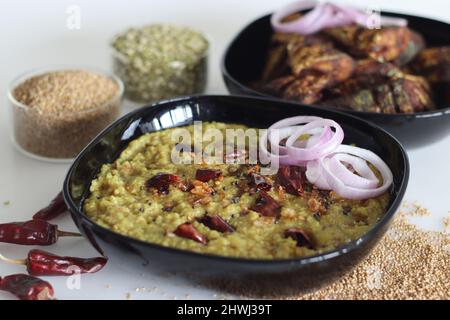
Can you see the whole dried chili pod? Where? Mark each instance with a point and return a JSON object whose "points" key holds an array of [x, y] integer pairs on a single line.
{"points": [[42, 263], [26, 287], [33, 232], [56, 207]]}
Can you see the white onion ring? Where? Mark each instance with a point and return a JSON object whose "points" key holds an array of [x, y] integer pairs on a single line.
{"points": [[325, 15], [279, 153], [314, 175], [314, 147], [325, 158], [299, 24], [320, 149], [323, 169], [366, 178], [325, 135]]}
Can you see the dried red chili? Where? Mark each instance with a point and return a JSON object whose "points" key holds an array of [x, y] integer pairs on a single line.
{"points": [[205, 175], [33, 232], [162, 181], [300, 236], [216, 222], [42, 263], [56, 207], [291, 178], [266, 205], [187, 230], [259, 182], [26, 287]]}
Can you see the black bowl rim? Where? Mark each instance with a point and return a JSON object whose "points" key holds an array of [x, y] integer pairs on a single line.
{"points": [[423, 114], [346, 248]]}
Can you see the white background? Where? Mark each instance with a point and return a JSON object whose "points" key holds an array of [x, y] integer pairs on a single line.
{"points": [[34, 34]]}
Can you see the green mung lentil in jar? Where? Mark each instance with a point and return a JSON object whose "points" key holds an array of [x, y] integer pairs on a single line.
{"points": [[160, 61]]}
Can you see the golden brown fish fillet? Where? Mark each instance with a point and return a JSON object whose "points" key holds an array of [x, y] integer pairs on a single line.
{"points": [[394, 44], [433, 64]]}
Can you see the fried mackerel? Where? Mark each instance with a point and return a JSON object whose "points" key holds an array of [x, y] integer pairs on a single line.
{"points": [[308, 65], [381, 87], [379, 70], [277, 64], [433, 64], [398, 45]]}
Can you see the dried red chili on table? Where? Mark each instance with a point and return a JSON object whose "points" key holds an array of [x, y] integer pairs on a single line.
{"points": [[56, 207], [187, 230], [216, 222], [26, 287], [42, 263], [33, 232]]}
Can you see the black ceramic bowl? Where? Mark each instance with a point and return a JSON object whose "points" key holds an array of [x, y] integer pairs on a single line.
{"points": [[243, 62], [254, 112]]}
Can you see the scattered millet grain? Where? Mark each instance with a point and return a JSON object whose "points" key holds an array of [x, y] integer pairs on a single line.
{"points": [[417, 209], [446, 222], [408, 263], [64, 111]]}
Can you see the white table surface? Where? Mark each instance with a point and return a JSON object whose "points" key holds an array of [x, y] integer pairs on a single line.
{"points": [[34, 34]]}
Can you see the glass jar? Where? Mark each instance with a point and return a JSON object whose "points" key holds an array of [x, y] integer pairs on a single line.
{"points": [[59, 135]]}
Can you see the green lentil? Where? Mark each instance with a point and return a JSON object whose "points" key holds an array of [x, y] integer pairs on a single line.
{"points": [[160, 61]]}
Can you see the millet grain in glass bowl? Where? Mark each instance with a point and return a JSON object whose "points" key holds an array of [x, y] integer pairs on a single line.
{"points": [[56, 112]]}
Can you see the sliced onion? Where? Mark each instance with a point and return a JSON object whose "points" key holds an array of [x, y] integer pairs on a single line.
{"points": [[329, 164], [365, 179], [277, 132], [326, 15], [326, 145], [299, 24], [321, 142], [315, 176], [354, 192], [316, 139]]}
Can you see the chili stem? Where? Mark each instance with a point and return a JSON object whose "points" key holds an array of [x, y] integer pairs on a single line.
{"points": [[68, 234], [45, 295], [13, 261]]}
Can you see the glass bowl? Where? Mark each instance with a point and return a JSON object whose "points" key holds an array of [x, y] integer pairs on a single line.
{"points": [[58, 136]]}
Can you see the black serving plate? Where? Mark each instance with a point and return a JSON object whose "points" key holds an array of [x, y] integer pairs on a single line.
{"points": [[254, 112], [244, 59]]}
